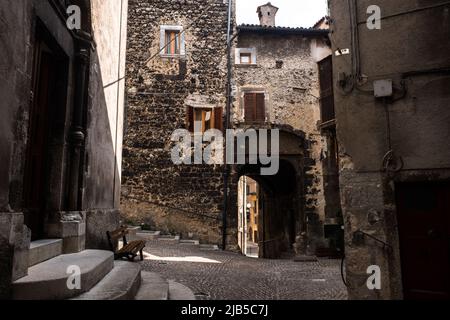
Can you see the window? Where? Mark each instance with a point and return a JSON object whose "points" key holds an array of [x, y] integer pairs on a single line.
{"points": [[245, 56], [204, 119], [172, 44], [254, 107]]}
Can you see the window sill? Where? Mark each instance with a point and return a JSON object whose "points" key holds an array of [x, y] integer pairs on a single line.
{"points": [[172, 56], [237, 65]]}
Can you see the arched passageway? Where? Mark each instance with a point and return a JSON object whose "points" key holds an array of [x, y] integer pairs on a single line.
{"points": [[279, 217]]}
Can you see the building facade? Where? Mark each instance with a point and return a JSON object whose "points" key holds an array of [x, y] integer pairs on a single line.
{"points": [[177, 67], [392, 118], [276, 81], [61, 126]]}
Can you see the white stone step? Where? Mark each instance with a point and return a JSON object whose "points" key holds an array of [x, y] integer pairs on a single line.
{"points": [[133, 230], [153, 287], [43, 250], [122, 283], [192, 242], [209, 247], [169, 238], [48, 280], [148, 235], [180, 292]]}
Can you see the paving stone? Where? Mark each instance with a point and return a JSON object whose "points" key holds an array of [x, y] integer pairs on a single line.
{"points": [[231, 276]]}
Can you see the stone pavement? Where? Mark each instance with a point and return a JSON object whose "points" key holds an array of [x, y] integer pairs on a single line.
{"points": [[219, 275]]}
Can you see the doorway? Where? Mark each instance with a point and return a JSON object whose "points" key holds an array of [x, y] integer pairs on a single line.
{"points": [[423, 211], [249, 216], [48, 103], [279, 217]]}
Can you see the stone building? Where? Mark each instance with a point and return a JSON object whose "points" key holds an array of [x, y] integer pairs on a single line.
{"points": [[177, 73], [276, 81], [177, 66], [392, 92], [61, 125]]}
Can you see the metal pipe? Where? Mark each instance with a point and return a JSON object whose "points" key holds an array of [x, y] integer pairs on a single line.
{"points": [[227, 126]]}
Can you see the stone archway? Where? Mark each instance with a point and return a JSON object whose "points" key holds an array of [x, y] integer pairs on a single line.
{"points": [[281, 197]]}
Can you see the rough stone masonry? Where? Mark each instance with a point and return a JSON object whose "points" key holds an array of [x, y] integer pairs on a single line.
{"points": [[177, 62], [184, 199]]}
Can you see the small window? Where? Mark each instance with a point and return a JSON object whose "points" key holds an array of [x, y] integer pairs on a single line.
{"points": [[254, 107], [173, 42], [246, 58], [204, 119]]}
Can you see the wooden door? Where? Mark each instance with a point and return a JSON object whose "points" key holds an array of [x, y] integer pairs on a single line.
{"points": [[424, 227], [36, 172]]}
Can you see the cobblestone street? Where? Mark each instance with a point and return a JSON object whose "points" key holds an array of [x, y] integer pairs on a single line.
{"points": [[221, 275]]}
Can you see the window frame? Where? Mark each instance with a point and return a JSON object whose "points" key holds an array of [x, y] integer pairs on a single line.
{"points": [[216, 120], [246, 51], [164, 30]]}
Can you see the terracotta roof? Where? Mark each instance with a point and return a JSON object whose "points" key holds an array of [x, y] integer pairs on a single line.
{"points": [[281, 30]]}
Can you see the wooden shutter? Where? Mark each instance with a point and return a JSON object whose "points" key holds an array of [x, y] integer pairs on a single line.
{"points": [[190, 119], [260, 107], [218, 118], [250, 107], [326, 89]]}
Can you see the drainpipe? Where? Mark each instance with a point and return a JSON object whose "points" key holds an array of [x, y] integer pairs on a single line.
{"points": [[226, 172], [77, 135]]}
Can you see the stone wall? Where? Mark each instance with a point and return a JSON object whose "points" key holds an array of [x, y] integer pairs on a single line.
{"points": [[286, 70], [99, 105], [417, 129], [185, 198]]}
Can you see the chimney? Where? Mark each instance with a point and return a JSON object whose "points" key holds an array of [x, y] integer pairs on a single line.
{"points": [[267, 14]]}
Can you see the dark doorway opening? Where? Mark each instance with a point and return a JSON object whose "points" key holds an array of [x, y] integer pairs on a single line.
{"points": [[423, 211], [50, 76], [279, 209]]}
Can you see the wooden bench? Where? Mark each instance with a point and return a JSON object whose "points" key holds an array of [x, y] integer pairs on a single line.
{"points": [[129, 249]]}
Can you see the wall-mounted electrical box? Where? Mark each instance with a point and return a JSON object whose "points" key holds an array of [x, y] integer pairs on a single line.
{"points": [[383, 88]]}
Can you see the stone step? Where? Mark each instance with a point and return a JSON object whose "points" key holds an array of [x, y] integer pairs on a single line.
{"points": [[48, 280], [147, 235], [169, 238], [43, 250], [180, 292], [192, 242], [153, 287], [209, 247], [134, 230], [122, 283]]}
